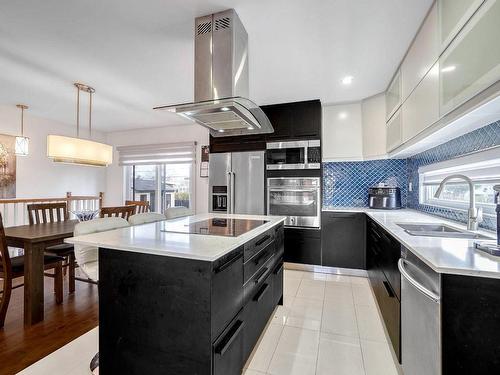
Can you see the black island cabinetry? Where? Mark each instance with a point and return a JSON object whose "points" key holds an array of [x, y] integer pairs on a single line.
{"points": [[169, 315]]}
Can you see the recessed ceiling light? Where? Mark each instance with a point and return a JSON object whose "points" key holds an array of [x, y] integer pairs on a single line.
{"points": [[224, 109], [342, 115], [450, 68], [250, 128], [347, 80], [221, 130]]}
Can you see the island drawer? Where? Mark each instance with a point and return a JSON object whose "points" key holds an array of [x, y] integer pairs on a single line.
{"points": [[252, 266], [255, 245], [228, 350], [256, 313], [227, 289]]}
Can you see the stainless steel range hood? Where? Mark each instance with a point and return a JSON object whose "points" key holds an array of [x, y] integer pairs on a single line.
{"points": [[221, 79]]}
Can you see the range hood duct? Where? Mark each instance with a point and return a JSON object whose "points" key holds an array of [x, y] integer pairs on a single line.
{"points": [[221, 79]]}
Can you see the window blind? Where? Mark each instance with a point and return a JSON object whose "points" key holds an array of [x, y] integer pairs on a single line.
{"points": [[166, 153], [482, 166]]}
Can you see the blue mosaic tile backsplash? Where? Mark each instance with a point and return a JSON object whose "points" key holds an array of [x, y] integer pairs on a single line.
{"points": [[345, 184], [480, 139]]}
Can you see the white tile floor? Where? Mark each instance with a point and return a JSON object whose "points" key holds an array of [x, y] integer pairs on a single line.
{"points": [[328, 325]]}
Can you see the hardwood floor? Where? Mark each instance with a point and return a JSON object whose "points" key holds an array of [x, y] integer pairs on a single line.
{"points": [[20, 346]]}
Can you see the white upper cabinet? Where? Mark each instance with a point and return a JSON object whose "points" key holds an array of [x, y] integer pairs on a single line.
{"points": [[394, 135], [393, 95], [421, 109], [453, 15], [422, 55], [374, 127], [342, 132], [472, 61]]}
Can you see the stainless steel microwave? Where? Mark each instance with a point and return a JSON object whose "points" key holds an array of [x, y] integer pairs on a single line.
{"points": [[293, 155]]}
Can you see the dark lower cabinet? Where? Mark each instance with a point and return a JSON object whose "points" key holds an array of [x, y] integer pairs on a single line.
{"points": [[256, 313], [303, 246], [278, 283], [187, 316], [383, 253], [470, 328], [343, 239], [228, 350]]}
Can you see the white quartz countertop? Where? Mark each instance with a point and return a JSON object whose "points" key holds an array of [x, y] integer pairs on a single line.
{"points": [[444, 255], [156, 239]]}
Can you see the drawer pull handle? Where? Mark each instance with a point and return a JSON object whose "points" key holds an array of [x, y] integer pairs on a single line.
{"points": [[228, 263], [262, 240], [226, 343], [388, 289], [261, 293], [261, 276], [278, 269], [262, 255]]}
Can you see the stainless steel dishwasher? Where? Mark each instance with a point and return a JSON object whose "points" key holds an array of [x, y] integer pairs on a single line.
{"points": [[420, 317]]}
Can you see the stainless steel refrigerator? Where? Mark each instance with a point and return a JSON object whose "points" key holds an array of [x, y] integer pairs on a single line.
{"points": [[236, 182]]}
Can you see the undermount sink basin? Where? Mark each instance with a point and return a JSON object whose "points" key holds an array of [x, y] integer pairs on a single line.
{"points": [[439, 230]]}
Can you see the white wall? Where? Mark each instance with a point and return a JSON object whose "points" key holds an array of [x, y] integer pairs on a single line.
{"points": [[37, 175], [170, 134], [342, 132]]}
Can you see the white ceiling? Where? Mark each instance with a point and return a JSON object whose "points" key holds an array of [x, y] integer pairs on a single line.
{"points": [[139, 54]]}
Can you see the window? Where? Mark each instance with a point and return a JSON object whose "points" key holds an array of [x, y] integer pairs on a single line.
{"points": [[484, 170], [160, 174]]}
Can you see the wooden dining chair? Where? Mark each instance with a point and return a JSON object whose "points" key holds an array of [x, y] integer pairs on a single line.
{"points": [[39, 213], [140, 206], [12, 268], [119, 211]]}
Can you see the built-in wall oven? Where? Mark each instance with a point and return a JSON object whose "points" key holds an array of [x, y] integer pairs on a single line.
{"points": [[297, 198], [293, 155]]}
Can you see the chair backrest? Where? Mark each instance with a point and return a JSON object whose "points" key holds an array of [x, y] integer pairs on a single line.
{"points": [[47, 212], [140, 206], [120, 211], [175, 212], [6, 274], [89, 254], [146, 217]]}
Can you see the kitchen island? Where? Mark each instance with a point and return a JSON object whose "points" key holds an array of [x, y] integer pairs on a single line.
{"points": [[186, 296]]}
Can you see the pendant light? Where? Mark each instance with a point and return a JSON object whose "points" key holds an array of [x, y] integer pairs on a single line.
{"points": [[77, 150], [22, 142]]}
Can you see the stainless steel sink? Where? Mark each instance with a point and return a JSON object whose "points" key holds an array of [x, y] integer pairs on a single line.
{"points": [[438, 230]]}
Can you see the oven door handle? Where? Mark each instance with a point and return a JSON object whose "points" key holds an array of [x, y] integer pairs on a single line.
{"points": [[314, 190]]}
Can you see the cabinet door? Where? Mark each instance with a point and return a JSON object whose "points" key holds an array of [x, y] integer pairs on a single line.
{"points": [[472, 61], [421, 109], [394, 136], [393, 95], [303, 246], [422, 55], [453, 15], [307, 119], [343, 240], [281, 118]]}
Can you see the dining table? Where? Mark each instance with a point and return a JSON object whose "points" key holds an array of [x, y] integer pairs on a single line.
{"points": [[34, 239]]}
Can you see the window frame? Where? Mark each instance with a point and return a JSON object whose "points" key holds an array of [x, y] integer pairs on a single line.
{"points": [[160, 170], [482, 167]]}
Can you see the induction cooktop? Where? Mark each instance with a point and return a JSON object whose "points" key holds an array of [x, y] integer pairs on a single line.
{"points": [[218, 227]]}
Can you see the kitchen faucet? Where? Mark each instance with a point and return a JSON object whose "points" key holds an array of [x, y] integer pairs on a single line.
{"points": [[475, 214]]}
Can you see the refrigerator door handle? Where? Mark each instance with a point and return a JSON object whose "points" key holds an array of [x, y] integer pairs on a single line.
{"points": [[233, 202], [229, 193]]}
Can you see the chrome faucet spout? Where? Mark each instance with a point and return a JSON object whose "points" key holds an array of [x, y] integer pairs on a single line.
{"points": [[475, 214]]}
